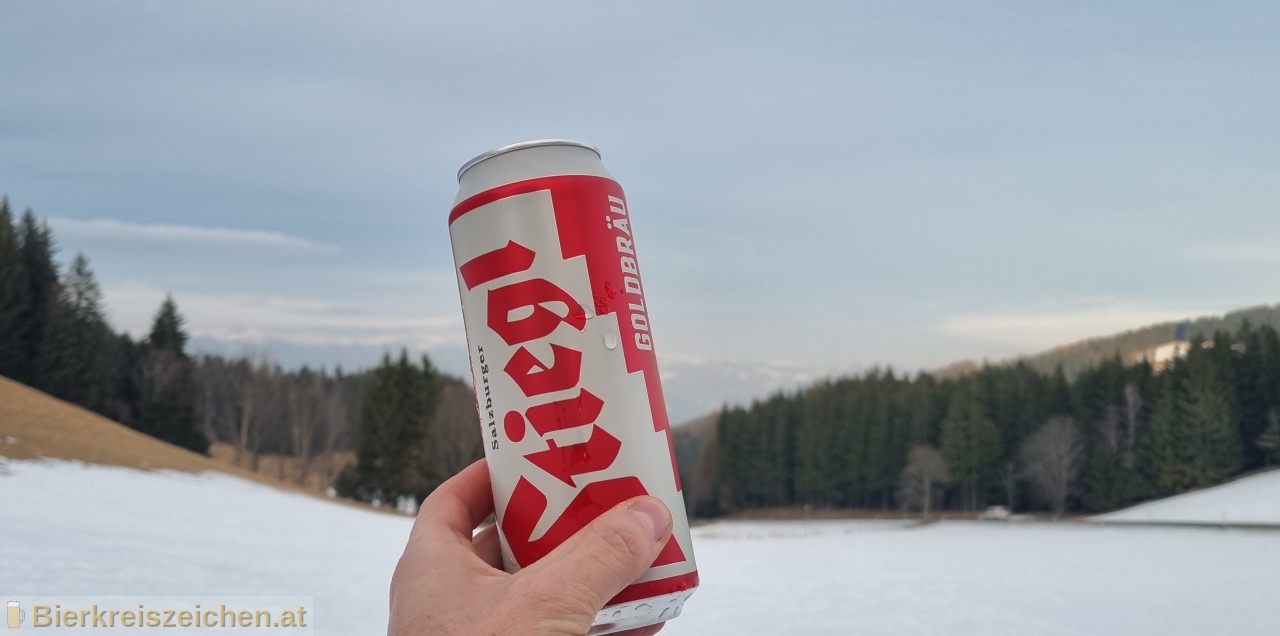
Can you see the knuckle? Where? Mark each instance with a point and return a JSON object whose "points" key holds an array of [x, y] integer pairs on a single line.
{"points": [[623, 542]]}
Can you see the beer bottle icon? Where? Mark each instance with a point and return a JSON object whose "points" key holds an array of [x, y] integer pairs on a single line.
{"points": [[16, 615]]}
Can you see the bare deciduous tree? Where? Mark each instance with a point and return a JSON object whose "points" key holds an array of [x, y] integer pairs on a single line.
{"points": [[1009, 480], [1109, 428], [925, 468], [1051, 460], [256, 388], [305, 398], [333, 431], [1132, 410], [455, 438]]}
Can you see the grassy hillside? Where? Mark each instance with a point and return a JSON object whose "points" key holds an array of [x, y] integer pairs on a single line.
{"points": [[34, 425]]}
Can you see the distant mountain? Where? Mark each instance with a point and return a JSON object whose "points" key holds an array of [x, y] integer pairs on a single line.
{"points": [[1130, 345]]}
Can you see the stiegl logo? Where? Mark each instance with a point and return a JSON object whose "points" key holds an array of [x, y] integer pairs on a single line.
{"points": [[526, 311], [530, 298]]}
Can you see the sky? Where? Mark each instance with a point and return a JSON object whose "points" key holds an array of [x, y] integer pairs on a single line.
{"points": [[816, 187]]}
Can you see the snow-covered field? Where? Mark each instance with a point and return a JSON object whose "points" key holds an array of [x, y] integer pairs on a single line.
{"points": [[71, 529], [1252, 500], [973, 578]]}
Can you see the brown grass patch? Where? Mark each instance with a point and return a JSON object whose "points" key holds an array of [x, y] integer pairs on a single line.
{"points": [[34, 425], [320, 474]]}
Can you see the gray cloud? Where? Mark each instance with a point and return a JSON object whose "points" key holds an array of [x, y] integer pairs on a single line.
{"points": [[111, 229]]}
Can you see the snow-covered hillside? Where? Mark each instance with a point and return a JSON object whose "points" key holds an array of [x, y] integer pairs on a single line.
{"points": [[67, 528], [1252, 500]]}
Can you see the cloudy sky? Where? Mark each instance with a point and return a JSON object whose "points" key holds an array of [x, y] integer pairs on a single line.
{"points": [[817, 186]]}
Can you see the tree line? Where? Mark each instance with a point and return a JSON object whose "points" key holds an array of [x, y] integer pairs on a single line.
{"points": [[409, 426], [1004, 435], [54, 337]]}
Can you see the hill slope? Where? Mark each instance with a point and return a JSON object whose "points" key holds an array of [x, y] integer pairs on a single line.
{"points": [[1078, 356], [34, 424]]}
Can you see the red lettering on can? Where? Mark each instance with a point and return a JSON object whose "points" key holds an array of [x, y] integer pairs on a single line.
{"points": [[504, 261], [528, 504], [564, 462], [535, 378], [561, 414], [534, 295]]}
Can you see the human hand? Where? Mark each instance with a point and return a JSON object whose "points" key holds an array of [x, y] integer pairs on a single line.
{"points": [[449, 583]]}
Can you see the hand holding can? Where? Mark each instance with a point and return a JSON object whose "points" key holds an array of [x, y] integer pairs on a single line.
{"points": [[562, 358], [447, 581]]}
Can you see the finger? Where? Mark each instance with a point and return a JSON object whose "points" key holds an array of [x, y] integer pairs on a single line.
{"points": [[608, 554], [460, 503], [486, 546], [649, 630]]}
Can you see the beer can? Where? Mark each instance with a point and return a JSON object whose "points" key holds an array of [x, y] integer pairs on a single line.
{"points": [[562, 358]]}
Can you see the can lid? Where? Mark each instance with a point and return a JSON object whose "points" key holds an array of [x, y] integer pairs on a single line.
{"points": [[521, 146]]}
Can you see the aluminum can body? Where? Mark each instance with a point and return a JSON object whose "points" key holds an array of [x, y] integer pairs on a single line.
{"points": [[562, 359]]}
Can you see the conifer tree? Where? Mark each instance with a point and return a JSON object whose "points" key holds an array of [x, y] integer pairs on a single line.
{"points": [[1193, 437], [394, 419], [167, 406], [1158, 454], [1060, 402], [813, 449], [42, 289], [125, 371], [1269, 440], [13, 296], [970, 441], [73, 362], [1209, 408], [1257, 374]]}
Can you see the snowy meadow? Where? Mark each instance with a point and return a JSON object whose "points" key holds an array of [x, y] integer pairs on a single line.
{"points": [[73, 529]]}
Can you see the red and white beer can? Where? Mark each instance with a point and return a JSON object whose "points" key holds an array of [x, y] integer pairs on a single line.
{"points": [[562, 357]]}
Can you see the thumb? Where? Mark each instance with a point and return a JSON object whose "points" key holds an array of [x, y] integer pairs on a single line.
{"points": [[608, 554]]}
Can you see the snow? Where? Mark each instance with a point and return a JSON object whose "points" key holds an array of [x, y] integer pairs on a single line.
{"points": [[73, 529], [973, 578], [1251, 500]]}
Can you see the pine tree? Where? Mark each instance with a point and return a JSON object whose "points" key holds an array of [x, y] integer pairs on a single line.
{"points": [[166, 408], [813, 453], [1257, 376], [42, 292], [970, 441], [1060, 402], [125, 371], [166, 330], [13, 296], [394, 419], [1193, 438], [730, 458], [73, 361], [1269, 440], [1210, 410]]}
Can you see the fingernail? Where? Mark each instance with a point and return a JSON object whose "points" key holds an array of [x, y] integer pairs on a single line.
{"points": [[653, 514]]}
